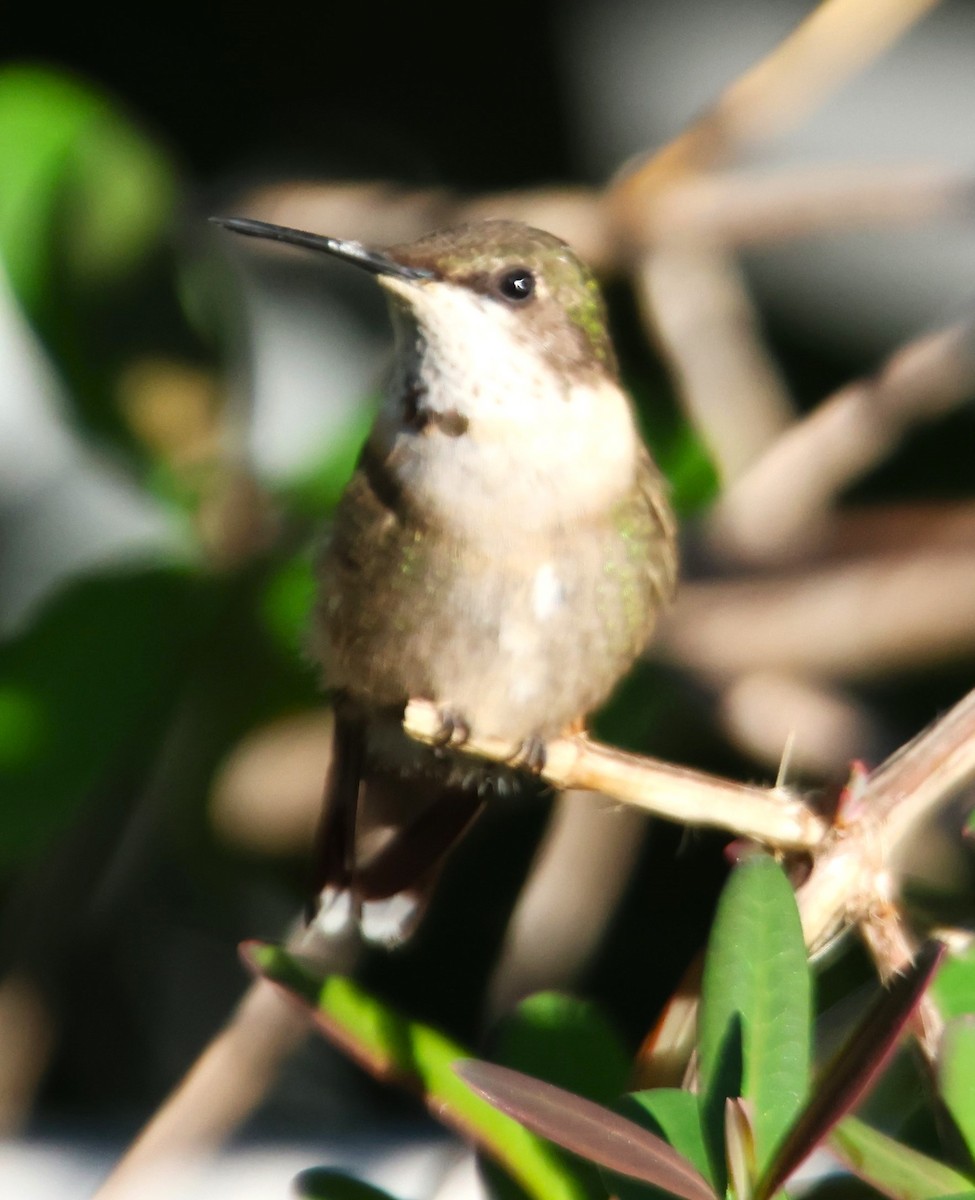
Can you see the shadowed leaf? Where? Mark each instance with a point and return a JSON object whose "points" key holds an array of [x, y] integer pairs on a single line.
{"points": [[408, 1054], [892, 1168], [588, 1130], [853, 1068]]}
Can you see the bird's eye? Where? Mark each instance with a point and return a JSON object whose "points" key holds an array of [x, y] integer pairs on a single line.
{"points": [[517, 284]]}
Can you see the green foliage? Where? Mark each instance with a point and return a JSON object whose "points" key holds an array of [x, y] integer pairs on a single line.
{"points": [[755, 1008], [85, 685], [675, 1115], [566, 1041], [416, 1057], [69, 159], [755, 1035], [957, 1075], [893, 1168]]}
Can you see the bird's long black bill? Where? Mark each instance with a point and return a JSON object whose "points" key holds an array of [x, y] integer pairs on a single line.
{"points": [[354, 252]]}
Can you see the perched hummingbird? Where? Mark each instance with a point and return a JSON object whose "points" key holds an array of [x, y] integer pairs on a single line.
{"points": [[502, 549]]}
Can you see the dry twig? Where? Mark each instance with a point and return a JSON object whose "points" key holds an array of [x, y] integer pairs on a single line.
{"points": [[838, 39], [662, 789], [847, 620], [788, 491]]}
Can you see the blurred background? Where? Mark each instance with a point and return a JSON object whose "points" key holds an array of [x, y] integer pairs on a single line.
{"points": [[179, 411]]}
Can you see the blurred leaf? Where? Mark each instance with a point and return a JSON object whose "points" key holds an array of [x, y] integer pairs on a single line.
{"points": [[408, 1054], [672, 1114], [956, 1075], [565, 1041], [81, 185], [594, 1133], [677, 448], [324, 1183], [693, 477], [95, 670], [892, 1168], [287, 601], [854, 1067], [954, 985], [756, 988], [22, 727]]}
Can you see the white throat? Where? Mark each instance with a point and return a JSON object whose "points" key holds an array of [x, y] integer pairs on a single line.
{"points": [[539, 450]]}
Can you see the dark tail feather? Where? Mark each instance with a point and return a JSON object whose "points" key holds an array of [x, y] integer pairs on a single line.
{"points": [[419, 846], [333, 865], [396, 885], [387, 892]]}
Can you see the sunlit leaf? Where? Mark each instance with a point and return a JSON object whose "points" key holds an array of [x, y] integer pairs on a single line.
{"points": [[892, 1168], [564, 1041], [956, 1075], [756, 1002], [954, 985], [408, 1054], [854, 1067], [586, 1129]]}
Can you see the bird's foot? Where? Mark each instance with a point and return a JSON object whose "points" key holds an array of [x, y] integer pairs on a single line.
{"points": [[453, 732], [530, 756]]}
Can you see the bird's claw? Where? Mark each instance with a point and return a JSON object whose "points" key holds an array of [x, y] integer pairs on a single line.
{"points": [[453, 732], [530, 756]]}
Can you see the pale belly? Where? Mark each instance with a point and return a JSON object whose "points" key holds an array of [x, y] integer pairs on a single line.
{"points": [[518, 645]]}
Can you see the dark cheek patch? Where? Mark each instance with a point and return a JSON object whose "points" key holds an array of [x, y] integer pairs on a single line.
{"points": [[452, 423], [419, 419]]}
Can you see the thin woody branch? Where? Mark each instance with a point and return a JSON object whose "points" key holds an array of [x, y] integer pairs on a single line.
{"points": [[856, 862], [791, 487], [836, 41], [771, 815]]}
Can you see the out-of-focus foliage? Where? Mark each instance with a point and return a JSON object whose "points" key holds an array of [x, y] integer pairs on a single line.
{"points": [[85, 194]]}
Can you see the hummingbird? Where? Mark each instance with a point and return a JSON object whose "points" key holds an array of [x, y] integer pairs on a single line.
{"points": [[502, 550]]}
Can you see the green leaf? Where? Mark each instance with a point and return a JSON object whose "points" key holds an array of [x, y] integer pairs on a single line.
{"points": [[954, 985], [674, 1115], [690, 470], [854, 1067], [323, 1183], [93, 675], [956, 1075], [565, 1041], [397, 1050], [892, 1168], [756, 1002], [288, 599], [80, 185]]}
